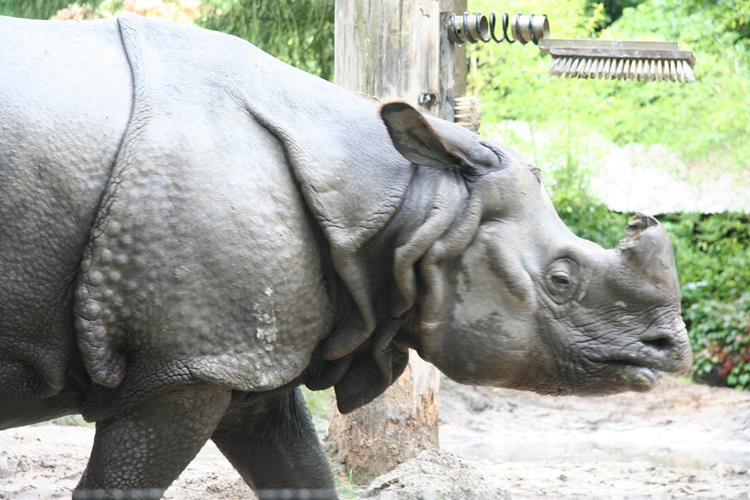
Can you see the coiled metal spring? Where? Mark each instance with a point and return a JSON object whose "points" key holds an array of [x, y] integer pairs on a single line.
{"points": [[473, 28]]}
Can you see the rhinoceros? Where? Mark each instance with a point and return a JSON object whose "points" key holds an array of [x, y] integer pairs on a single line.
{"points": [[190, 230]]}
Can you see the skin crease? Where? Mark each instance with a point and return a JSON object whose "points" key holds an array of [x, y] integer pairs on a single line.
{"points": [[191, 229]]}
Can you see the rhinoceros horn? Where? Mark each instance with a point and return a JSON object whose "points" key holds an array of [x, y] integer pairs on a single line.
{"points": [[647, 251]]}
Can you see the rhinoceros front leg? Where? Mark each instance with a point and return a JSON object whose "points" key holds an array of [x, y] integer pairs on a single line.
{"points": [[139, 453], [273, 445]]}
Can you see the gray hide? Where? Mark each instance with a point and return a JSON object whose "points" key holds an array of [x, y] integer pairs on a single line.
{"points": [[189, 229]]}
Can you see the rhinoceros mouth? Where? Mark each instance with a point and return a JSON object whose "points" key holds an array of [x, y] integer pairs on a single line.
{"points": [[642, 363], [639, 378], [641, 369], [660, 354]]}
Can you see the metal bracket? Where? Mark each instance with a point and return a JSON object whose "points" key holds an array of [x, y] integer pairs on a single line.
{"points": [[428, 99]]}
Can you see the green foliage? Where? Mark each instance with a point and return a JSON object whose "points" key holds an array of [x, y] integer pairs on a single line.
{"points": [[585, 215], [319, 404], [31, 9], [347, 490], [713, 262], [707, 118], [299, 32], [713, 255], [72, 421], [703, 123], [38, 9], [611, 10], [183, 11], [562, 155], [720, 335]]}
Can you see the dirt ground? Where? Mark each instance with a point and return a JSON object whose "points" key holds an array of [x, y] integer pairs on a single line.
{"points": [[680, 440]]}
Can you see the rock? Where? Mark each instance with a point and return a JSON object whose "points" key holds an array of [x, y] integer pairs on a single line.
{"points": [[433, 474], [8, 464]]}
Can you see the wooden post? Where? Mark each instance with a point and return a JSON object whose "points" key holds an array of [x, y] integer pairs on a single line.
{"points": [[395, 49], [392, 48]]}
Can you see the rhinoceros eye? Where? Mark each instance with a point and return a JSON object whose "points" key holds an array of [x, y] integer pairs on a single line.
{"points": [[561, 280]]}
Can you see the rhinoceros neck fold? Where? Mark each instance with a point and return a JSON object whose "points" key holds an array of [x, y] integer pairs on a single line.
{"points": [[352, 190]]}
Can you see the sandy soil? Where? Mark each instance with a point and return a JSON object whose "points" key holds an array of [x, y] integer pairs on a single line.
{"points": [[681, 440]]}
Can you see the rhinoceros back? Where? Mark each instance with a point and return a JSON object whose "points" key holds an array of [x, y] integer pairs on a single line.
{"points": [[204, 262], [65, 100]]}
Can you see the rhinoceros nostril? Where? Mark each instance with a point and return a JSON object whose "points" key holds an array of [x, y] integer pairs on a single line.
{"points": [[659, 343]]}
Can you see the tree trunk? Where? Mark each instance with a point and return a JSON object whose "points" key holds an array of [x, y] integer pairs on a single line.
{"points": [[397, 49], [389, 49], [374, 439]]}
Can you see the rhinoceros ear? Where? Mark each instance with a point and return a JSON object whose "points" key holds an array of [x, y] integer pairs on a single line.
{"points": [[437, 144]]}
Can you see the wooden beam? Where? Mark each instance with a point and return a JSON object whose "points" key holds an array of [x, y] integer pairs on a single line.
{"points": [[395, 49]]}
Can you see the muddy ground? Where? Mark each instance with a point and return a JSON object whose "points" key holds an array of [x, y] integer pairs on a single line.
{"points": [[680, 440]]}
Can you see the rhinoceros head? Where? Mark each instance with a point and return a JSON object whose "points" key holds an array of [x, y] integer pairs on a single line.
{"points": [[508, 296]]}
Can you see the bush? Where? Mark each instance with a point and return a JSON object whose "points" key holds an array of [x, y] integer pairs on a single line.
{"points": [[713, 261], [585, 215], [720, 334], [713, 255]]}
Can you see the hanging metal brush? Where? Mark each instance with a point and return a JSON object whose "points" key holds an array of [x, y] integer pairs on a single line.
{"points": [[613, 59], [607, 59]]}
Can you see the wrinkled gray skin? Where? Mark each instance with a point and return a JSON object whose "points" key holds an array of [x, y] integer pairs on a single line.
{"points": [[190, 229]]}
